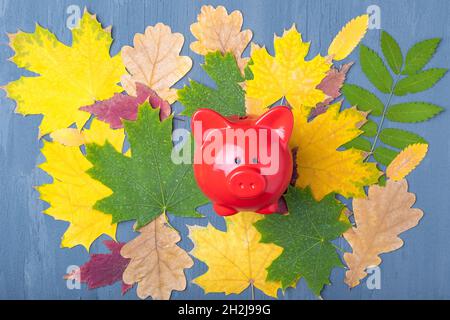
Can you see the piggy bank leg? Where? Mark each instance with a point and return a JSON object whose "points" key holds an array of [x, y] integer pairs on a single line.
{"points": [[273, 208], [223, 210]]}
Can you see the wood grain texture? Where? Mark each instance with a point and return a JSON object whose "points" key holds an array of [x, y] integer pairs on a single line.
{"points": [[32, 264]]}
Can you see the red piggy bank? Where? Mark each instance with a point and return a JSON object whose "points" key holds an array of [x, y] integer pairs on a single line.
{"points": [[243, 163]]}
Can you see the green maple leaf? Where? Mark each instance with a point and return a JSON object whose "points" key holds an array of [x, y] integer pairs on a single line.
{"points": [[229, 97], [305, 235], [148, 183]]}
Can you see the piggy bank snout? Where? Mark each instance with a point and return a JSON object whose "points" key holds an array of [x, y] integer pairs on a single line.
{"points": [[246, 183]]}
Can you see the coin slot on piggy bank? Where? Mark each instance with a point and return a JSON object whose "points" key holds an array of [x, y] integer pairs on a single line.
{"points": [[243, 163]]}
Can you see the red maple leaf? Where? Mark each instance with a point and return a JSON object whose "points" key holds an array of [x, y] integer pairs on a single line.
{"points": [[122, 106], [103, 269], [331, 85]]}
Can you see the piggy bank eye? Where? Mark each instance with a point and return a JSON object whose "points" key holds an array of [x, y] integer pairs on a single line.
{"points": [[255, 160], [237, 160]]}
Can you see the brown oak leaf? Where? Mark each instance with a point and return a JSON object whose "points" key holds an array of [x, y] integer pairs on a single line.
{"points": [[157, 263], [155, 61], [380, 218], [216, 30]]}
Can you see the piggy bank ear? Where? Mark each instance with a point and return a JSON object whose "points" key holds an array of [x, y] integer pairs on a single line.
{"points": [[279, 119], [204, 120]]}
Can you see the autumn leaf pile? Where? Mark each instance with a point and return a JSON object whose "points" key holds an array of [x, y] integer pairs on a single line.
{"points": [[107, 126]]}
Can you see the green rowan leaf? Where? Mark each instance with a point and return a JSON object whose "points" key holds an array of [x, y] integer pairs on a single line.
{"points": [[418, 82], [359, 143], [384, 155], [400, 139], [382, 180], [228, 98], [391, 52], [419, 55], [363, 99], [305, 235], [369, 128], [375, 69], [148, 183], [412, 111]]}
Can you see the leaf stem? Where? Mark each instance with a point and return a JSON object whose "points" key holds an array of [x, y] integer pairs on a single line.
{"points": [[338, 248], [252, 290], [383, 116]]}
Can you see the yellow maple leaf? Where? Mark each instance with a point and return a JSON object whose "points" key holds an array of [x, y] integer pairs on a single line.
{"points": [[287, 74], [320, 165], [155, 61], [348, 38], [406, 161], [235, 258], [69, 137], [216, 30], [68, 77], [73, 193]]}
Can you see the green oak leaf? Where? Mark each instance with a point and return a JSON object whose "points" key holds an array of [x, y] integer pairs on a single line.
{"points": [[147, 183], [228, 98], [375, 69], [400, 139], [391, 52], [419, 55], [305, 235], [411, 112], [363, 99]]}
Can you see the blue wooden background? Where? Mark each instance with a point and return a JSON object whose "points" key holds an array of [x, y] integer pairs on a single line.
{"points": [[32, 264]]}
